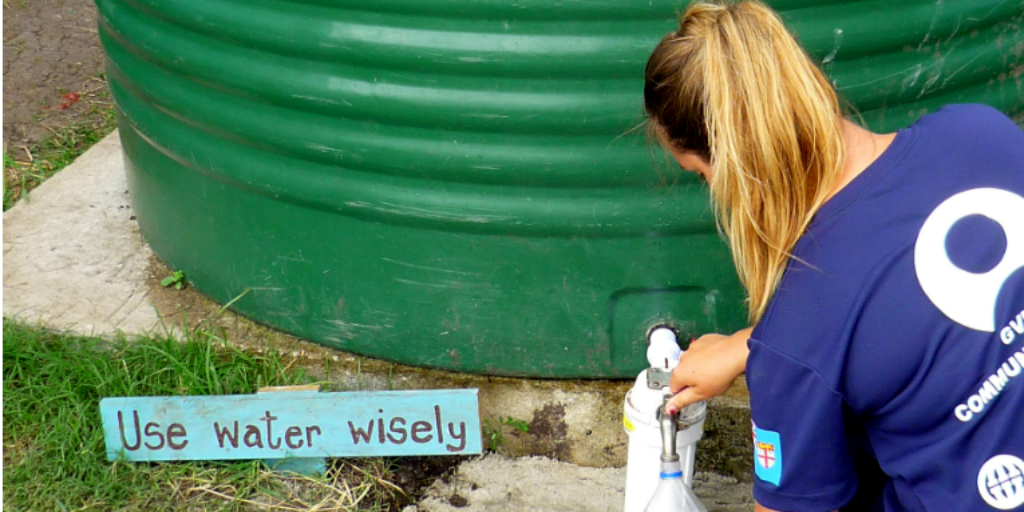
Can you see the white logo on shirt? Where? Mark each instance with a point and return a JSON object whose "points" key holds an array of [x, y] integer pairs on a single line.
{"points": [[969, 298], [1001, 482], [991, 387]]}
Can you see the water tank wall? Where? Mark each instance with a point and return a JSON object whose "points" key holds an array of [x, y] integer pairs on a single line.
{"points": [[461, 183]]}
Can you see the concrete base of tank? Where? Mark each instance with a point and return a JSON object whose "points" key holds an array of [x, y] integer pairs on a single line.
{"points": [[74, 260]]}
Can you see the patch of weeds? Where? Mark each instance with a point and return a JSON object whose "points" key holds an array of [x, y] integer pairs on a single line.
{"points": [[338, 490], [177, 280], [17, 178], [493, 431], [375, 475], [8, 194], [54, 456], [26, 167], [63, 146]]}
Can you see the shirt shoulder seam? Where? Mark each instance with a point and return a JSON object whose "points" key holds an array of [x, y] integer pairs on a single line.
{"points": [[803, 364]]}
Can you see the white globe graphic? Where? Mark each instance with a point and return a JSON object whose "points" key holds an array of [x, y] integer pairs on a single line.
{"points": [[1001, 482]]}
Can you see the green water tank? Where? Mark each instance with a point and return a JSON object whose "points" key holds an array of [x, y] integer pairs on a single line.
{"points": [[462, 183]]}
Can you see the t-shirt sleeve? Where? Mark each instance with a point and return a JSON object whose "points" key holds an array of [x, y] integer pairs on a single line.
{"points": [[802, 462]]}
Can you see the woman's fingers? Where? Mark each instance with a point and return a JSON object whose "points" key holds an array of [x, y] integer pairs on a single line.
{"points": [[683, 398], [708, 368]]}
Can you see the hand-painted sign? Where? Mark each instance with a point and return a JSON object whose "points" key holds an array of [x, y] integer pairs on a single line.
{"points": [[292, 424]]}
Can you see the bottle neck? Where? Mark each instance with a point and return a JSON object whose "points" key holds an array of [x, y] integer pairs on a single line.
{"points": [[671, 470]]}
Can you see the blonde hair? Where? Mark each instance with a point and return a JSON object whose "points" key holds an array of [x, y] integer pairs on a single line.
{"points": [[733, 86]]}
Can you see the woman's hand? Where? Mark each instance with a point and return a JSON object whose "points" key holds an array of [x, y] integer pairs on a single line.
{"points": [[708, 368]]}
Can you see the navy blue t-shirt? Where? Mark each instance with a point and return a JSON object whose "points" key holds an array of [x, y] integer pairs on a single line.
{"points": [[896, 336]]}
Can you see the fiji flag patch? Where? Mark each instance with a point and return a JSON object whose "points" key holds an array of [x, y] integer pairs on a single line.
{"points": [[767, 455]]}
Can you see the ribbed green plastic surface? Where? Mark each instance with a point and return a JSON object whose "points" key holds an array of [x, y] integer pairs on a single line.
{"points": [[460, 183]]}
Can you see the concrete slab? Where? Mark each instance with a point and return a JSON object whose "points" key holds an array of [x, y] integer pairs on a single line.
{"points": [[533, 484], [74, 260]]}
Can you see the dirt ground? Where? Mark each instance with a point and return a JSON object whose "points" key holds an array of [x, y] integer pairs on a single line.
{"points": [[53, 69]]}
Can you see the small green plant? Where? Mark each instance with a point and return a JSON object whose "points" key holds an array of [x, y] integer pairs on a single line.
{"points": [[177, 280], [494, 436], [519, 425], [8, 195]]}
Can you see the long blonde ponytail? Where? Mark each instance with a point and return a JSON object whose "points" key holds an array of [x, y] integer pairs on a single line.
{"points": [[733, 86]]}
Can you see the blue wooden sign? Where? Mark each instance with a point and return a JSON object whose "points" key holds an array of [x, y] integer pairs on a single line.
{"points": [[292, 424]]}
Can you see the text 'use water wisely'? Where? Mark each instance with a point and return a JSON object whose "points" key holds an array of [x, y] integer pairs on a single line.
{"points": [[278, 425]]}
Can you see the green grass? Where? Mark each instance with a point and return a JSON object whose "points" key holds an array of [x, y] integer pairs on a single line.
{"points": [[25, 170], [63, 146], [54, 454], [8, 196]]}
